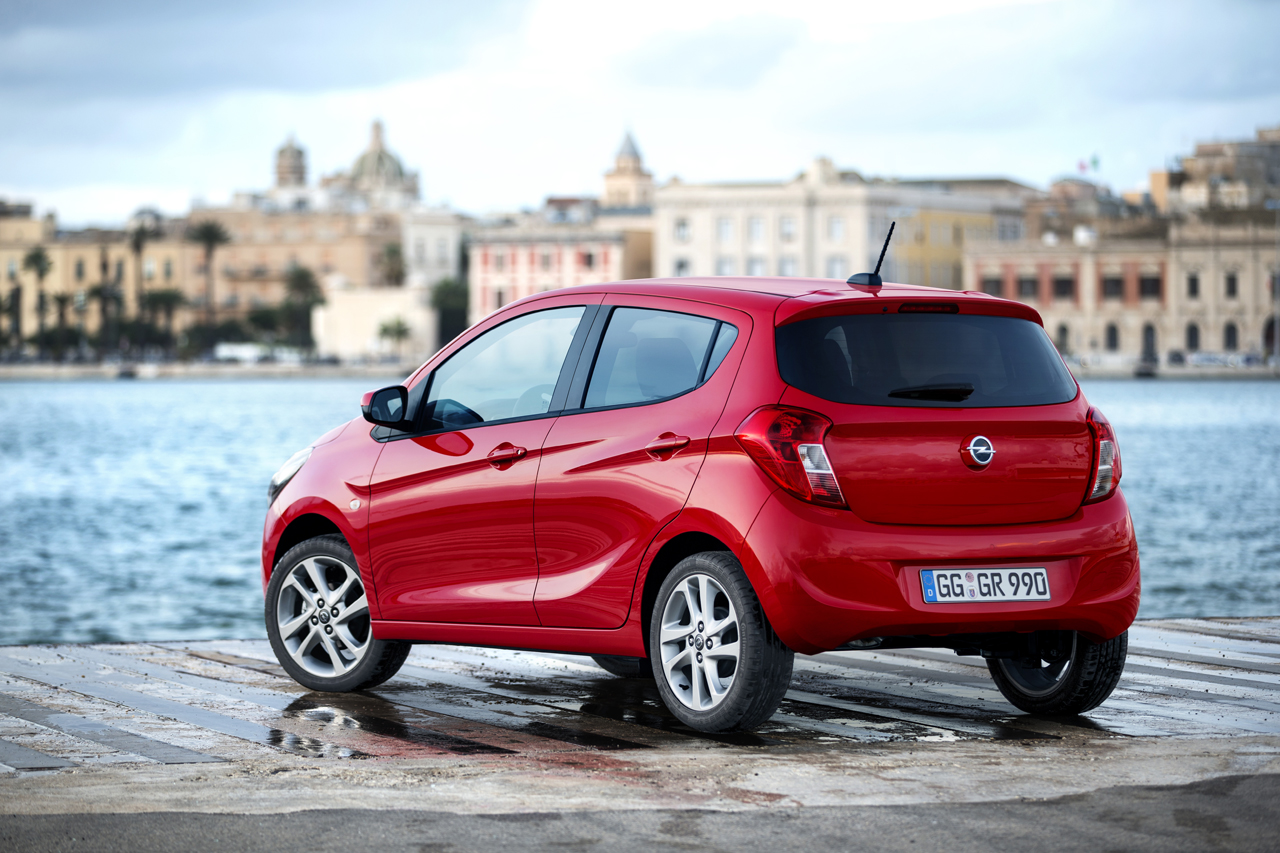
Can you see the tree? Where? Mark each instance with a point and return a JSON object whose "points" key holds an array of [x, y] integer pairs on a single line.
{"points": [[138, 239], [166, 302], [108, 296], [210, 235], [61, 301], [302, 294], [449, 298], [391, 262], [397, 331], [37, 261]]}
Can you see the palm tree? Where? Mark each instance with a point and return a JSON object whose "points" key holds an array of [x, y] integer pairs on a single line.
{"points": [[138, 239], [37, 261], [397, 331], [304, 293], [62, 301], [210, 235], [392, 264], [166, 302]]}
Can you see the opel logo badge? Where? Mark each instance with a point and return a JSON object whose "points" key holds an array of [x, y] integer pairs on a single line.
{"points": [[978, 452]]}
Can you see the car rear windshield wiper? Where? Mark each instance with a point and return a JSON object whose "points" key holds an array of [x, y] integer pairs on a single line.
{"points": [[955, 392]]}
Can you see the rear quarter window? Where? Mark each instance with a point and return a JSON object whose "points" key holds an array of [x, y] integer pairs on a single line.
{"points": [[924, 360]]}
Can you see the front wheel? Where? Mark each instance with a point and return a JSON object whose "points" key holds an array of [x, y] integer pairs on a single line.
{"points": [[1061, 674], [318, 620], [718, 663]]}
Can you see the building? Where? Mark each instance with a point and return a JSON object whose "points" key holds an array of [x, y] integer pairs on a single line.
{"points": [[571, 240], [1199, 294], [1222, 175], [831, 223]]}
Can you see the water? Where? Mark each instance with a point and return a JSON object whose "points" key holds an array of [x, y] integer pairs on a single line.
{"points": [[133, 511]]}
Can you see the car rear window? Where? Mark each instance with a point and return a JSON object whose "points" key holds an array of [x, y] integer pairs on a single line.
{"points": [[918, 360]]}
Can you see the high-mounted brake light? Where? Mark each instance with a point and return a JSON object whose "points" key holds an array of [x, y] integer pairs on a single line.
{"points": [[1106, 458], [787, 444]]}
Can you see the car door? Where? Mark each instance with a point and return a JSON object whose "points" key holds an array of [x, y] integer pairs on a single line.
{"points": [[621, 459], [451, 515]]}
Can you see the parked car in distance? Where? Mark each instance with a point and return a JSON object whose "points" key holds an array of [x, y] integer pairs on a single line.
{"points": [[696, 479]]}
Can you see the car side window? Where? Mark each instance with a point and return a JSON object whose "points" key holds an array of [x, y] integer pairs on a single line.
{"points": [[508, 372], [648, 355]]}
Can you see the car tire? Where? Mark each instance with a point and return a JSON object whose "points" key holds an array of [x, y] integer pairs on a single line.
{"points": [[317, 613], [624, 667], [1073, 684], [717, 661]]}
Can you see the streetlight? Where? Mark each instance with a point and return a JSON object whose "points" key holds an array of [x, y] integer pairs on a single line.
{"points": [[1274, 204]]}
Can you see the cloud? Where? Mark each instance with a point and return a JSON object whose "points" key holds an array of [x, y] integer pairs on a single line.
{"points": [[730, 55]]}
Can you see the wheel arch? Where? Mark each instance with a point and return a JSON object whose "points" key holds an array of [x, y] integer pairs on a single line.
{"points": [[668, 557], [306, 526]]}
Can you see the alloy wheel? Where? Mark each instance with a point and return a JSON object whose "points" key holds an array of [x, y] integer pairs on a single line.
{"points": [[698, 641], [323, 616]]}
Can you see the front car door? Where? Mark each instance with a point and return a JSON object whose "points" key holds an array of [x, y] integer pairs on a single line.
{"points": [[621, 459], [451, 515]]}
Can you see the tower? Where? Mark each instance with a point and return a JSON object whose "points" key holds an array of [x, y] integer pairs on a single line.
{"points": [[628, 185], [291, 165]]}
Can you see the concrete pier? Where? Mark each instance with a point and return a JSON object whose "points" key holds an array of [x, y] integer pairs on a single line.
{"points": [[209, 745]]}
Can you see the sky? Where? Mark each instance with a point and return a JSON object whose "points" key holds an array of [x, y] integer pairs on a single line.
{"points": [[109, 106]]}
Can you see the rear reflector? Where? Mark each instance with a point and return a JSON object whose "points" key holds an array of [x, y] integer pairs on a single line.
{"points": [[787, 444], [928, 308]]}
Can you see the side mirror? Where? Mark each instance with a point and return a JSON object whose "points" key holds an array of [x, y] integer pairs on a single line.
{"points": [[386, 407]]}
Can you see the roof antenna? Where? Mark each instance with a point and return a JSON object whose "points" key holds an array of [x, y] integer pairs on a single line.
{"points": [[872, 279]]}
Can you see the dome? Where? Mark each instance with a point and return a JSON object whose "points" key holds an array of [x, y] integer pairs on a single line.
{"points": [[377, 167]]}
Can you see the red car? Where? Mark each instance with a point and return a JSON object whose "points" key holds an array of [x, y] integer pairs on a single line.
{"points": [[694, 480]]}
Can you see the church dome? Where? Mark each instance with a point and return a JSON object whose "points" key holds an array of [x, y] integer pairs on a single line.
{"points": [[377, 167]]}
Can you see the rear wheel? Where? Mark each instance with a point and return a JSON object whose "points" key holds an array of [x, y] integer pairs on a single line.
{"points": [[318, 620], [718, 663], [624, 667], [1061, 674]]}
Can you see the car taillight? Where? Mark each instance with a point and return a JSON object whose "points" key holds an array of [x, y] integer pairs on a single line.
{"points": [[1106, 458], [787, 444]]}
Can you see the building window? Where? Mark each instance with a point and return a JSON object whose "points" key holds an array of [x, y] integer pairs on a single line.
{"points": [[1148, 342], [993, 286], [682, 266], [499, 297], [149, 269], [1064, 338], [755, 266], [420, 251], [957, 234], [1149, 287], [1193, 337], [499, 261], [835, 229], [787, 229], [119, 270], [442, 251], [79, 269], [1112, 288], [724, 230], [724, 266], [12, 269], [1064, 288], [1232, 286], [682, 230], [1230, 337], [588, 260], [168, 269], [837, 266], [545, 261], [1028, 287], [1193, 286], [755, 230], [787, 265], [1113, 337]]}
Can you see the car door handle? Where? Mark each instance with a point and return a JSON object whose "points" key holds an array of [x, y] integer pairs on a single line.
{"points": [[505, 454], [668, 442]]}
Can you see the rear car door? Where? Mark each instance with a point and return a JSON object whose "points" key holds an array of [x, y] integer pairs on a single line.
{"points": [[451, 515], [621, 459]]}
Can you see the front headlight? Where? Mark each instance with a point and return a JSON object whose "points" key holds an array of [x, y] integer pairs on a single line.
{"points": [[281, 478]]}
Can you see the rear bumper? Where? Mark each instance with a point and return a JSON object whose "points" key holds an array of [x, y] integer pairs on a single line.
{"points": [[826, 577]]}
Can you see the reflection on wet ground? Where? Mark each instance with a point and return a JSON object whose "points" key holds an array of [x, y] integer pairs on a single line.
{"points": [[63, 706]]}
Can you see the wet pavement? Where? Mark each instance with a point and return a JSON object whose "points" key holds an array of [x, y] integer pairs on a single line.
{"points": [[464, 737]]}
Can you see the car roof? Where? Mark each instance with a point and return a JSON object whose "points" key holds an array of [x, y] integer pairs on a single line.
{"points": [[785, 288]]}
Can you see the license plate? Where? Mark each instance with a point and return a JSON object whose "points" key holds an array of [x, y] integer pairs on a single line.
{"points": [[952, 586]]}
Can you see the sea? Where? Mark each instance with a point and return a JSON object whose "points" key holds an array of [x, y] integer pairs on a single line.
{"points": [[133, 511]]}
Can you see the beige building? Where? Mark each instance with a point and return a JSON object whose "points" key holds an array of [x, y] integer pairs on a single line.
{"points": [[1200, 295], [572, 240], [1222, 175], [830, 223]]}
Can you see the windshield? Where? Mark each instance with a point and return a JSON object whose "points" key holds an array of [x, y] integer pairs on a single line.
{"points": [[924, 360]]}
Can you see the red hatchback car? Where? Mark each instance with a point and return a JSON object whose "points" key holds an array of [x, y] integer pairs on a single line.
{"points": [[693, 480]]}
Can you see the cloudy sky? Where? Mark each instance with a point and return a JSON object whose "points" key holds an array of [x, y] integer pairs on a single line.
{"points": [[110, 105]]}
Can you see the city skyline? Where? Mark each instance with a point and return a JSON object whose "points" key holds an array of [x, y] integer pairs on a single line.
{"points": [[505, 102]]}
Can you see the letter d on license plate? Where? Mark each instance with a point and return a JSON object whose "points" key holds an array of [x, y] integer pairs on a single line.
{"points": [[953, 586]]}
